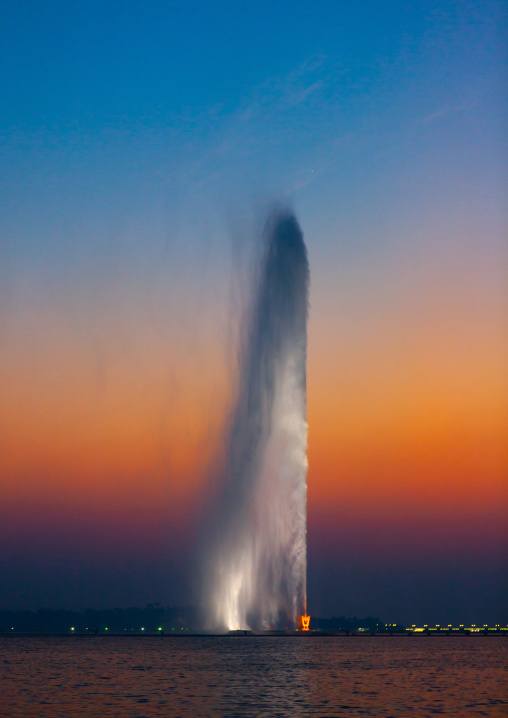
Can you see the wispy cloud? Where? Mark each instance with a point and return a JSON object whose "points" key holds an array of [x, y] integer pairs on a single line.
{"points": [[268, 118], [448, 111]]}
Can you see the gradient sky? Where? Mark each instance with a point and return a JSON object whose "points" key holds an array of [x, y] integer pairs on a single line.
{"points": [[139, 146]]}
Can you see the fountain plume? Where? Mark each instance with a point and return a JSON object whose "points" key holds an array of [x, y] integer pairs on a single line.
{"points": [[258, 560]]}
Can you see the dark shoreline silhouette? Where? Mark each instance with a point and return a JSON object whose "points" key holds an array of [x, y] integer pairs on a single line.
{"points": [[153, 619], [158, 621]]}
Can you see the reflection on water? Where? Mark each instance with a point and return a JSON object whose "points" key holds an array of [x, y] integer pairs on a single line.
{"points": [[188, 677]]}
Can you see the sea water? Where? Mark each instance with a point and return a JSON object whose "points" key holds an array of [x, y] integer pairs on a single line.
{"points": [[145, 677]]}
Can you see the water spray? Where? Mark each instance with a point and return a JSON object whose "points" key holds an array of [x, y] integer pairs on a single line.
{"points": [[258, 559]]}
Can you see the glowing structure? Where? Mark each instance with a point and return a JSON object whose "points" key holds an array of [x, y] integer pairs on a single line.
{"points": [[305, 622], [258, 559]]}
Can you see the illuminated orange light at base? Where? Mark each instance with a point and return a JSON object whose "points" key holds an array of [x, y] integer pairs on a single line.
{"points": [[305, 622]]}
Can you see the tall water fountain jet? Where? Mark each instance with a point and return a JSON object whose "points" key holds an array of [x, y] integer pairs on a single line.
{"points": [[258, 560]]}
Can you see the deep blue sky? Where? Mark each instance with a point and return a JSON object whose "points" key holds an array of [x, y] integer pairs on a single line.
{"points": [[106, 64], [111, 108]]}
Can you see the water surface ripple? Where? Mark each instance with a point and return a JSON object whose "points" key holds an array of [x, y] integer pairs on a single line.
{"points": [[47, 677]]}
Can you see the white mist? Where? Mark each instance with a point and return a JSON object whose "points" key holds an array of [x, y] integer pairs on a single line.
{"points": [[257, 561]]}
